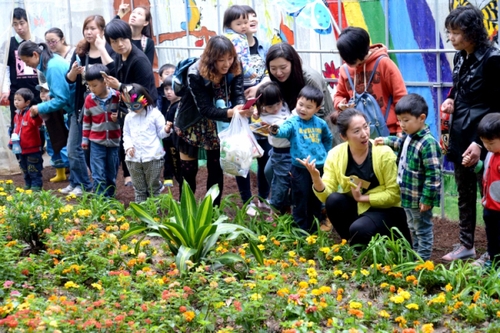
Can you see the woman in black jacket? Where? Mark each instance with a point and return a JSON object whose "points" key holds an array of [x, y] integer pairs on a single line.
{"points": [[215, 79], [474, 94], [127, 65]]}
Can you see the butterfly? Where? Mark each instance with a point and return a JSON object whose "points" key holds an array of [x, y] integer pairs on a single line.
{"points": [[312, 14], [490, 13]]}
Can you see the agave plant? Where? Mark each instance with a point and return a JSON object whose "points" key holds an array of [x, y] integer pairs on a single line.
{"points": [[190, 231]]}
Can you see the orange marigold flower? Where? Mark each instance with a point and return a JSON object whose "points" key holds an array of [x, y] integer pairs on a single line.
{"points": [[189, 315]]}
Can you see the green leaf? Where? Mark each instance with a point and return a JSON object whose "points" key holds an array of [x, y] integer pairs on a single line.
{"points": [[178, 232], [213, 192], [184, 254], [205, 212], [202, 235], [235, 262], [256, 252], [188, 203], [137, 229], [140, 213]]}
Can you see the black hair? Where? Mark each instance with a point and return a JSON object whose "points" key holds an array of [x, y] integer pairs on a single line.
{"points": [[164, 68], [25, 93], [20, 14], [59, 34], [489, 127], [312, 94], [94, 72], [249, 9], [292, 86], [27, 48], [469, 20], [135, 88], [412, 104], [117, 29], [233, 13], [146, 30], [343, 120], [269, 93], [353, 44], [168, 81]]}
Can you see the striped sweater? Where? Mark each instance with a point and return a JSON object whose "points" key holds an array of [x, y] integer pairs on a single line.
{"points": [[97, 124]]}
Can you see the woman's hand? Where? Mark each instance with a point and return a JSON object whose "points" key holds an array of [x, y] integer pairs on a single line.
{"points": [[471, 156], [123, 9], [100, 42], [251, 92], [34, 111], [168, 127], [75, 70], [344, 104], [448, 106], [112, 82], [379, 141]]}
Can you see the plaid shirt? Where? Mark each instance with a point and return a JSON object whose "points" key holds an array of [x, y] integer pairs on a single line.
{"points": [[421, 180]]}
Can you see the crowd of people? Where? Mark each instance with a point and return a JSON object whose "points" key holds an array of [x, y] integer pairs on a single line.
{"points": [[102, 109]]}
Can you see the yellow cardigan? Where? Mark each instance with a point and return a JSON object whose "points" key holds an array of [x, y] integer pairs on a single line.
{"points": [[386, 195]]}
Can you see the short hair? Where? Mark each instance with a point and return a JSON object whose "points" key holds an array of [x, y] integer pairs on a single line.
{"points": [[135, 88], [164, 68], [168, 81], [117, 29], [343, 120], [249, 9], [58, 32], [412, 104], [20, 14], [469, 20], [25, 93], [270, 94], [489, 127], [353, 44], [94, 72], [312, 94], [217, 47], [233, 13]]}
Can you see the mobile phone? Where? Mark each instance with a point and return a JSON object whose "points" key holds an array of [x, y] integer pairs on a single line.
{"points": [[78, 60], [250, 102], [103, 73]]}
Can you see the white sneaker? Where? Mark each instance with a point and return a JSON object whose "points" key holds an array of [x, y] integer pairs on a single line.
{"points": [[251, 210], [76, 191], [67, 189], [262, 205]]}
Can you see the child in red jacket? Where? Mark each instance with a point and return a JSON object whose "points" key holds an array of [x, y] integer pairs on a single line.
{"points": [[27, 133]]}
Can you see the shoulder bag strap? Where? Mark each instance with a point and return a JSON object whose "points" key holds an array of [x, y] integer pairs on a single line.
{"points": [[346, 69], [144, 41]]}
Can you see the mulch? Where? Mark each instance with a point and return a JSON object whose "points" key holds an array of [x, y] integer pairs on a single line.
{"points": [[445, 230]]}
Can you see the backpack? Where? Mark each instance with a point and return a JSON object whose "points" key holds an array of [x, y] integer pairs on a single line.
{"points": [[367, 104], [179, 78]]}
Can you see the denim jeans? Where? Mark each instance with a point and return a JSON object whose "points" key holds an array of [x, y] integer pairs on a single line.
{"points": [[420, 225], [32, 166], [280, 164], [57, 160], [104, 161], [306, 206], [79, 175], [492, 226]]}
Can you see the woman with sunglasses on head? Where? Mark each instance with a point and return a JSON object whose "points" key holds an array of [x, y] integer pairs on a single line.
{"points": [[143, 132], [54, 37]]}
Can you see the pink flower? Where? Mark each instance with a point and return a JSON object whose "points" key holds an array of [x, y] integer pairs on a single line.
{"points": [[8, 284]]}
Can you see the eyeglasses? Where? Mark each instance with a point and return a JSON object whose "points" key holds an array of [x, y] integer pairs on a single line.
{"points": [[135, 106], [52, 42]]}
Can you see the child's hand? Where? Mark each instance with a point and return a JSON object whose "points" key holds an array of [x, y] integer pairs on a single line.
{"points": [[273, 129], [255, 114], [448, 106], [34, 111], [130, 152], [85, 146], [114, 116], [424, 207], [379, 141], [168, 127], [253, 76], [466, 159]]}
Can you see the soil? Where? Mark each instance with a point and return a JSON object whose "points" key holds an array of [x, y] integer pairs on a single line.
{"points": [[445, 231]]}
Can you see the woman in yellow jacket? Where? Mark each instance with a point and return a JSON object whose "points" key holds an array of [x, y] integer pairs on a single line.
{"points": [[359, 185]]}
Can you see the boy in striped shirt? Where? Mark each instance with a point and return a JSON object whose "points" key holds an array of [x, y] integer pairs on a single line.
{"points": [[101, 131]]}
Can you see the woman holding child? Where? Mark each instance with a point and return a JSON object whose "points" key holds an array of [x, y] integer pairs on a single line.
{"points": [[358, 187]]}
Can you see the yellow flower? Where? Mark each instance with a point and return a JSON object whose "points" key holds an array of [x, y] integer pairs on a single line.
{"points": [[448, 287], [337, 272], [261, 247], [398, 299], [384, 314], [428, 265], [476, 296], [255, 297], [96, 286], [365, 272], [71, 284], [410, 278], [384, 285], [189, 315], [282, 292], [311, 239], [262, 238], [53, 323], [337, 258], [427, 328], [311, 263], [125, 226], [292, 254], [325, 250], [250, 285], [438, 299], [303, 285], [401, 320], [312, 272], [355, 305], [404, 293], [412, 306]]}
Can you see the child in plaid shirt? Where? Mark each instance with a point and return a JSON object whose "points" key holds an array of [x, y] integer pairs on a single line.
{"points": [[419, 170]]}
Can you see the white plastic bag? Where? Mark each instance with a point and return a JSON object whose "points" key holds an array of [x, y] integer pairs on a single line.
{"points": [[238, 147]]}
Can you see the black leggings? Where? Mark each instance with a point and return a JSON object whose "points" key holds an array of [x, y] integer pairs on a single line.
{"points": [[342, 210], [189, 170]]}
